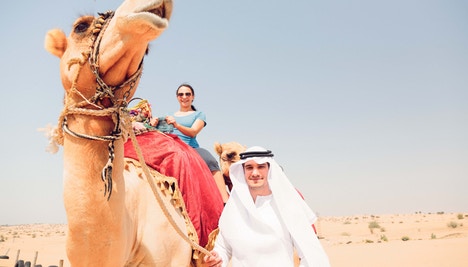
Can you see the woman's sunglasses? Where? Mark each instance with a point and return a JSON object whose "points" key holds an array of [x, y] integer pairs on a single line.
{"points": [[182, 94]]}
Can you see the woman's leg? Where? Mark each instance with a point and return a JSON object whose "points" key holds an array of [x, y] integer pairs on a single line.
{"points": [[215, 171], [219, 179]]}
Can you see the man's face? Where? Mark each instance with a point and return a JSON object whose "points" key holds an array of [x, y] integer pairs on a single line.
{"points": [[256, 175]]}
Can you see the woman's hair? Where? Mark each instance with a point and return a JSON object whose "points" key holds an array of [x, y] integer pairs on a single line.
{"points": [[191, 89]]}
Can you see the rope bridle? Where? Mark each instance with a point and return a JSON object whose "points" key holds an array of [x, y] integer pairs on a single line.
{"points": [[117, 111]]}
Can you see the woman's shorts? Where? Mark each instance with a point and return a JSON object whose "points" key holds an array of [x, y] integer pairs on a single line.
{"points": [[208, 158]]}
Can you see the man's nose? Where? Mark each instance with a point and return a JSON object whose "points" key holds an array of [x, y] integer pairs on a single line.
{"points": [[255, 172]]}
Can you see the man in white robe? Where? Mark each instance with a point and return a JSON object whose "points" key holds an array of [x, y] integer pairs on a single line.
{"points": [[265, 219]]}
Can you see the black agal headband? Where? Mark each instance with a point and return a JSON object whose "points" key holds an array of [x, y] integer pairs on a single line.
{"points": [[252, 154]]}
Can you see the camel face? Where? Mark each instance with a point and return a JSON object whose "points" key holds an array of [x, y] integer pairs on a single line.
{"points": [[119, 44], [228, 154]]}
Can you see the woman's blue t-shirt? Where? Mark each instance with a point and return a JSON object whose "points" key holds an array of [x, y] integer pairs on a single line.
{"points": [[188, 121]]}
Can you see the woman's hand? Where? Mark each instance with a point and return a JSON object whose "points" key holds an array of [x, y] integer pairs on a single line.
{"points": [[171, 120], [213, 260], [154, 121], [138, 126], [192, 131]]}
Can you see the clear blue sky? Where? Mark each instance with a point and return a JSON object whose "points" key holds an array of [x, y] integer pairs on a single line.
{"points": [[364, 103]]}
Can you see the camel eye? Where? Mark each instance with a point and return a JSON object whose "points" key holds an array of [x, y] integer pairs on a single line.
{"points": [[81, 27]]}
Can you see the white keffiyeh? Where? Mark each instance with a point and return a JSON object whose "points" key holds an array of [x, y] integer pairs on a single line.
{"points": [[240, 210]]}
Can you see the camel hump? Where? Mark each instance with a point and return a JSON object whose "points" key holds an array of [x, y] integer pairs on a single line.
{"points": [[55, 42]]}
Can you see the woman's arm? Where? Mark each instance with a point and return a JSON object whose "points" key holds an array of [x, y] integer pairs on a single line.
{"points": [[193, 131]]}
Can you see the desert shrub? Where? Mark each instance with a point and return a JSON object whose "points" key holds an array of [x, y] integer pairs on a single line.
{"points": [[452, 224], [373, 225], [382, 229], [384, 238], [2, 238], [460, 216], [405, 238], [369, 241], [347, 222], [433, 236]]}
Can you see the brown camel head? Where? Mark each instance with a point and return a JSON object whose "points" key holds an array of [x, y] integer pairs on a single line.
{"points": [[108, 49], [228, 154]]}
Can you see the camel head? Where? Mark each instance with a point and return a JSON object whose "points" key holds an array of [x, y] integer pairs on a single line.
{"points": [[228, 154], [101, 64], [101, 59]]}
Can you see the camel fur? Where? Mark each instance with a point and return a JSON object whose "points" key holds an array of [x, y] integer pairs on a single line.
{"points": [[228, 154]]}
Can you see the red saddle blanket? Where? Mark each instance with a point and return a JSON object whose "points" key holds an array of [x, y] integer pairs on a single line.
{"points": [[170, 156]]}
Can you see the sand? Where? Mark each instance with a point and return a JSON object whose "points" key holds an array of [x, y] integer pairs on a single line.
{"points": [[436, 239], [348, 241]]}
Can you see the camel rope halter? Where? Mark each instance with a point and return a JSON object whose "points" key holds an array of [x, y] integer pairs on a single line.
{"points": [[117, 109], [119, 113]]}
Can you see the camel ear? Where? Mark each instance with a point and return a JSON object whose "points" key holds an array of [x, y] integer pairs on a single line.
{"points": [[218, 148], [56, 42]]}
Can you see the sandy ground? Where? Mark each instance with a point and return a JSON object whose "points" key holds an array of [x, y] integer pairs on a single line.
{"points": [[431, 242], [436, 240]]}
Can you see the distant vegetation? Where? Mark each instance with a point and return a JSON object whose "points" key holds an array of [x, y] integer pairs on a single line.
{"points": [[384, 238], [373, 225], [405, 238], [452, 224]]}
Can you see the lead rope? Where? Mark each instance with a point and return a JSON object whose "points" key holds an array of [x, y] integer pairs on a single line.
{"points": [[148, 175]]}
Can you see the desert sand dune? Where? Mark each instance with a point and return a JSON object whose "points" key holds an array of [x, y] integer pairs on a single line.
{"points": [[432, 240]]}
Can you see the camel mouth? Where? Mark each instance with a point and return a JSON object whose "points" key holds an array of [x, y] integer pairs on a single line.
{"points": [[158, 13]]}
